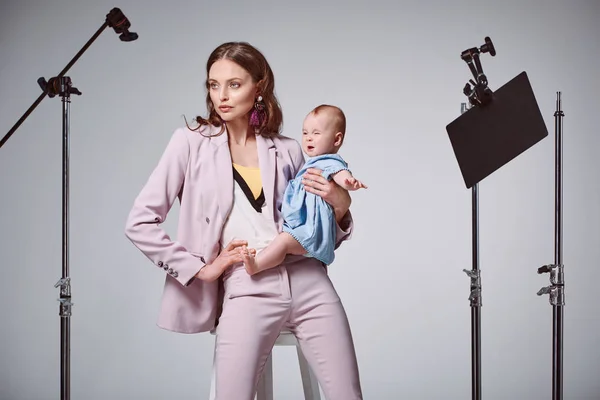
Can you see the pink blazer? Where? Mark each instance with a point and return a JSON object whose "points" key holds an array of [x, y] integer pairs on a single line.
{"points": [[197, 171]]}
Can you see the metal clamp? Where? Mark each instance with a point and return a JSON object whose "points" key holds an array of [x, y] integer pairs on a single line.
{"points": [[65, 297], [556, 290], [475, 294]]}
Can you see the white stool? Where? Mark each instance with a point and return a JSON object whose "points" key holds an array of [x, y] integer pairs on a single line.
{"points": [[265, 384]]}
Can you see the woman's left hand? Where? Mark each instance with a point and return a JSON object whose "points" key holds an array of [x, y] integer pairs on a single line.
{"points": [[329, 191]]}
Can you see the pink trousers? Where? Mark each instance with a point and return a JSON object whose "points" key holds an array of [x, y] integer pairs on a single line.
{"points": [[299, 297]]}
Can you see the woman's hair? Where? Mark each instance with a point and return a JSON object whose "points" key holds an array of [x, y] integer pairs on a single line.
{"points": [[253, 61]]}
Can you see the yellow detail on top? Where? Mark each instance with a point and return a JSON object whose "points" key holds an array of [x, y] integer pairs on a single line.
{"points": [[252, 177]]}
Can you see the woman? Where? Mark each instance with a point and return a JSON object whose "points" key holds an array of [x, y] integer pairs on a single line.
{"points": [[229, 175]]}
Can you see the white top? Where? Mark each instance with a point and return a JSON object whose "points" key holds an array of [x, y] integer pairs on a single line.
{"points": [[244, 223]]}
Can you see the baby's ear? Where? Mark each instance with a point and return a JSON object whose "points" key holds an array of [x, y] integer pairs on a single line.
{"points": [[338, 138]]}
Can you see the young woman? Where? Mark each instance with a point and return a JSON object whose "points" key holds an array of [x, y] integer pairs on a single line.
{"points": [[229, 175]]}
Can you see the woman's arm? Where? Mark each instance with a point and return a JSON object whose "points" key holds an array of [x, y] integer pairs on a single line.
{"points": [[151, 207], [337, 197], [331, 192]]}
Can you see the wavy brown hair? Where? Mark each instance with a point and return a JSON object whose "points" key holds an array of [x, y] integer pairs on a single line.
{"points": [[252, 60]]}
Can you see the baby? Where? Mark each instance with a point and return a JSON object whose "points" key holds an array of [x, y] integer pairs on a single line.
{"points": [[309, 226]]}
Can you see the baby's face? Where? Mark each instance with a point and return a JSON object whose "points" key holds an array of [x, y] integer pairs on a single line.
{"points": [[318, 135]]}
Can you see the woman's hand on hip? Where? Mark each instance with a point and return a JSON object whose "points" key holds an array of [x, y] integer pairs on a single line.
{"points": [[229, 255], [331, 192]]}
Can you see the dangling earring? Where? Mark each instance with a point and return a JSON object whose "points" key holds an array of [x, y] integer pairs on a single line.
{"points": [[258, 114]]}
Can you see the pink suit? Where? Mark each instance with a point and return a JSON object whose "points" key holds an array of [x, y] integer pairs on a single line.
{"points": [[298, 294]]}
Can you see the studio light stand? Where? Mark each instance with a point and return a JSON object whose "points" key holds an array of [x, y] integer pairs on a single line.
{"points": [[61, 85], [493, 128], [475, 289], [478, 95], [556, 290]]}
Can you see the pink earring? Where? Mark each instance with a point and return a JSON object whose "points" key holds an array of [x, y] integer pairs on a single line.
{"points": [[258, 114]]}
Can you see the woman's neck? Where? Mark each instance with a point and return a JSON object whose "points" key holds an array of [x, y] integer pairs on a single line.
{"points": [[238, 131]]}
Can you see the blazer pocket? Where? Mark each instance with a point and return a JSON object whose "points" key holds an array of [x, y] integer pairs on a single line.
{"points": [[207, 207], [238, 283]]}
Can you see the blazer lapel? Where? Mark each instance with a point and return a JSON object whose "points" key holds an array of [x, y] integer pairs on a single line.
{"points": [[267, 161], [224, 173]]}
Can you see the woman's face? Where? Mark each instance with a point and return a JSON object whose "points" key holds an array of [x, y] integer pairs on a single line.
{"points": [[232, 90]]}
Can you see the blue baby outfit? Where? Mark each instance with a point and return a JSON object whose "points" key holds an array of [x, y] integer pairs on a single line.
{"points": [[307, 217]]}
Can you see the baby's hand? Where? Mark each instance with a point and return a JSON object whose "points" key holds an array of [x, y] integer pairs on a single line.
{"points": [[354, 184]]}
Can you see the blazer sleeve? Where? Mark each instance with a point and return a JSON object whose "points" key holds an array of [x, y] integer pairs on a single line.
{"points": [[151, 207], [345, 227]]}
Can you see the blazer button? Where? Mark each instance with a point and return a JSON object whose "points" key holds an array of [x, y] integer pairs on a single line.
{"points": [[170, 271], [166, 267], [175, 274], [207, 220], [160, 264]]}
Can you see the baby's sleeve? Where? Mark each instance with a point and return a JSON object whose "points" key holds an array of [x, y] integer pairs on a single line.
{"points": [[332, 166]]}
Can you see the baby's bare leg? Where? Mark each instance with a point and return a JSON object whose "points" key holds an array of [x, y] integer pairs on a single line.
{"points": [[274, 254]]}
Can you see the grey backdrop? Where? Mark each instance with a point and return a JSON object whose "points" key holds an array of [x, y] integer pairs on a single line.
{"points": [[395, 70]]}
